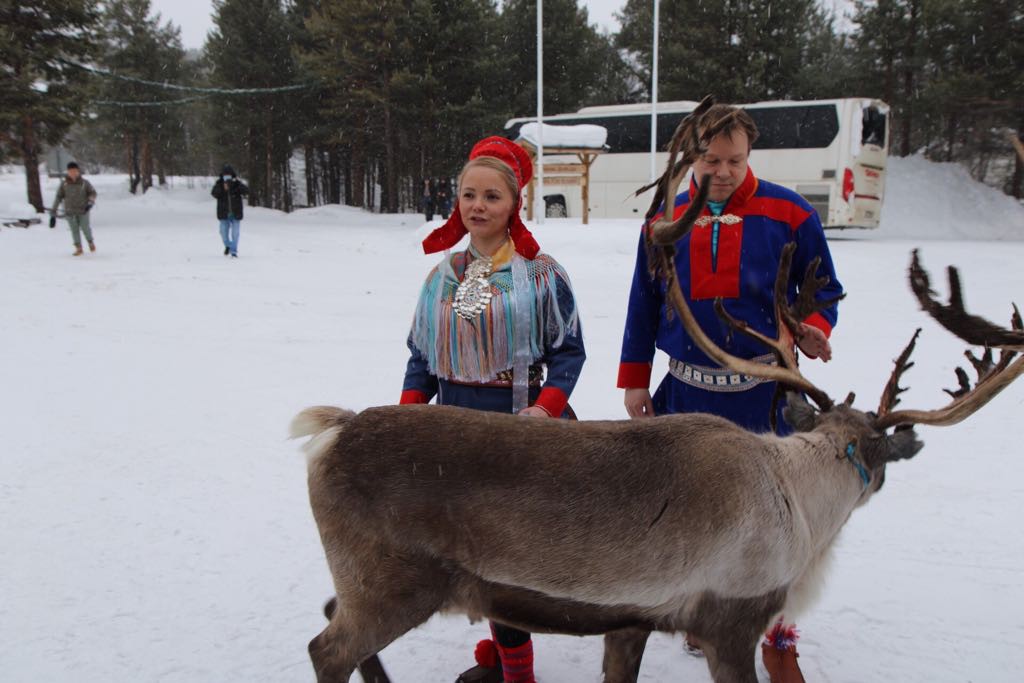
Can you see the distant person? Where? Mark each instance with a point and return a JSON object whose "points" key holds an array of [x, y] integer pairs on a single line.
{"points": [[78, 196], [229, 191], [443, 198], [428, 200]]}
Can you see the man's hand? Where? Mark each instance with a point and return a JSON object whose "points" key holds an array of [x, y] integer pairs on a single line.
{"points": [[814, 343], [88, 207], [53, 220], [534, 411], [638, 403]]}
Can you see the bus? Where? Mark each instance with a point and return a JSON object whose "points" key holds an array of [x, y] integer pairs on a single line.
{"points": [[832, 152]]}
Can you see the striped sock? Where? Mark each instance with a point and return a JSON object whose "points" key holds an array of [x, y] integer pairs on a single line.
{"points": [[517, 663]]}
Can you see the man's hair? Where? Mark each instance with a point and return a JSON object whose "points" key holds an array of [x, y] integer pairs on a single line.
{"points": [[71, 165], [738, 120]]}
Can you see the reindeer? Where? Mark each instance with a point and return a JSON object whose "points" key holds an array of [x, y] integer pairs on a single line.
{"points": [[680, 523]]}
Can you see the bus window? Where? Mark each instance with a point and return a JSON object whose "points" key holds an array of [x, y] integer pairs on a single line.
{"points": [[873, 127]]}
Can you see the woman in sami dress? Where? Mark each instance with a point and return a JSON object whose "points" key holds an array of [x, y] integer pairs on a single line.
{"points": [[490, 320]]}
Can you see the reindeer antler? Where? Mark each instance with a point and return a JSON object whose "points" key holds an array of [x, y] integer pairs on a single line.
{"points": [[690, 140], [788, 318], [993, 377]]}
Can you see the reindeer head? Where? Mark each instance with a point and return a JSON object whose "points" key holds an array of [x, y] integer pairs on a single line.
{"points": [[862, 437]]}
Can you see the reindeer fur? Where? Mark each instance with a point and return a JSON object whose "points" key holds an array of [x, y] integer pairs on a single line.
{"points": [[684, 522]]}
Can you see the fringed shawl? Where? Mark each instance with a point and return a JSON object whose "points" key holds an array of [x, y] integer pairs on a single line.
{"points": [[477, 350]]}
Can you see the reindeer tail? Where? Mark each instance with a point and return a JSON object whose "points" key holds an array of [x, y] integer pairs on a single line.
{"points": [[324, 424]]}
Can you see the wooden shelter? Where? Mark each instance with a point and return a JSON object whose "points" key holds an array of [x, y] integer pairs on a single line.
{"points": [[585, 142]]}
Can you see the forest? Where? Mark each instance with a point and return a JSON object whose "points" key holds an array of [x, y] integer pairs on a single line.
{"points": [[365, 99]]}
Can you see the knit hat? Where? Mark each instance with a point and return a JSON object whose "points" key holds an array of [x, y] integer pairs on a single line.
{"points": [[517, 158], [71, 165], [228, 170]]}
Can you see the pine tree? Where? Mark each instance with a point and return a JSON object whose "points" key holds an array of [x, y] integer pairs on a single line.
{"points": [[581, 66], [250, 47], [738, 50], [137, 45], [41, 94]]}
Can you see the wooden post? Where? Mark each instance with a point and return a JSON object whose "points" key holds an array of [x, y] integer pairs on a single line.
{"points": [[562, 174], [585, 187], [1017, 145]]}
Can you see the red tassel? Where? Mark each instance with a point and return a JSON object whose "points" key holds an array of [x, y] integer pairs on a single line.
{"points": [[781, 636], [526, 245], [486, 654]]}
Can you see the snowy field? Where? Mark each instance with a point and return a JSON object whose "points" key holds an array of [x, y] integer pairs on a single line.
{"points": [[155, 525]]}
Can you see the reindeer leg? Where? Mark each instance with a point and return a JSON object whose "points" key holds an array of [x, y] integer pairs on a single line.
{"points": [[729, 629], [623, 651], [371, 668], [387, 595]]}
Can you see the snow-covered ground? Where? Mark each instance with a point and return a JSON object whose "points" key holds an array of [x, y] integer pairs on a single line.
{"points": [[155, 525]]}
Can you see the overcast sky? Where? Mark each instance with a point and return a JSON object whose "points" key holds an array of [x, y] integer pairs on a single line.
{"points": [[193, 16]]}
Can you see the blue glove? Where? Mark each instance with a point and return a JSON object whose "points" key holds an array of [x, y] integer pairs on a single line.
{"points": [[88, 207], [53, 221]]}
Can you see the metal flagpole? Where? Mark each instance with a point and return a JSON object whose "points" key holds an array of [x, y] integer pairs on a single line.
{"points": [[654, 96], [540, 209]]}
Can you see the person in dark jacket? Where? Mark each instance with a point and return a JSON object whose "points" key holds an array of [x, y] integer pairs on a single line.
{"points": [[78, 196], [229, 191]]}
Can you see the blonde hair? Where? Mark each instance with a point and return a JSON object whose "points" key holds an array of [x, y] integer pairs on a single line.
{"points": [[503, 169]]}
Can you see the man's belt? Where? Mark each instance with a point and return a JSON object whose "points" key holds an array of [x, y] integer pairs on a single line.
{"points": [[717, 379]]}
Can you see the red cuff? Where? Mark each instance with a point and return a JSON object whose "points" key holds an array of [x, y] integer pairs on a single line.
{"points": [[634, 376], [413, 396], [818, 320], [553, 400]]}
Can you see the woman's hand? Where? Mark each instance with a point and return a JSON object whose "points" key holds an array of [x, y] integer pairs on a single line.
{"points": [[638, 403], [534, 411], [814, 343]]}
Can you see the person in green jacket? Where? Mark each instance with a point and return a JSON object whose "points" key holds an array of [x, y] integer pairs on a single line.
{"points": [[78, 196]]}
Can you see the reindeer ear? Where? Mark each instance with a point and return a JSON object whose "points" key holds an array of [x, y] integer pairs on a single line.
{"points": [[903, 444], [798, 413]]}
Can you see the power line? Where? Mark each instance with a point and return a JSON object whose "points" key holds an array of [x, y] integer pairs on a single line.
{"points": [[155, 103], [188, 88]]}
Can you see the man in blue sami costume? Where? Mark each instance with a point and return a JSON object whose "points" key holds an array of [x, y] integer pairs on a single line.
{"points": [[732, 252]]}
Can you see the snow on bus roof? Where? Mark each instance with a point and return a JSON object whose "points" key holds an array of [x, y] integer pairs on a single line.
{"points": [[582, 136]]}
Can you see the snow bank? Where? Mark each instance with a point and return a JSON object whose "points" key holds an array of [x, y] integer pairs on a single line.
{"points": [[926, 200], [585, 136], [156, 525]]}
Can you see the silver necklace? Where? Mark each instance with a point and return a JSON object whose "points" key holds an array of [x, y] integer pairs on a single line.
{"points": [[474, 292]]}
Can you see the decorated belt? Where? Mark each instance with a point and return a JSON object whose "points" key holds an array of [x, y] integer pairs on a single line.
{"points": [[504, 379], [717, 379]]}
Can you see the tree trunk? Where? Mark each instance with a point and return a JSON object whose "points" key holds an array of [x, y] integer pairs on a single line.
{"points": [[908, 79], [134, 172], [30, 157], [390, 180], [951, 135], [1016, 188], [147, 164], [268, 160], [358, 176], [311, 176], [336, 175]]}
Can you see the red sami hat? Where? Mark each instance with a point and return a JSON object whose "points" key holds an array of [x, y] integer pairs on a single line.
{"points": [[517, 158]]}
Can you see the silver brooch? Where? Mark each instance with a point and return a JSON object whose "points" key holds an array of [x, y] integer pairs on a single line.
{"points": [[727, 219], [474, 292]]}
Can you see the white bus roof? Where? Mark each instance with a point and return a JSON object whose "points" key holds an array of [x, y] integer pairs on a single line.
{"points": [[677, 106]]}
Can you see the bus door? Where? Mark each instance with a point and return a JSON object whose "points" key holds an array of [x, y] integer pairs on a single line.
{"points": [[864, 177]]}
